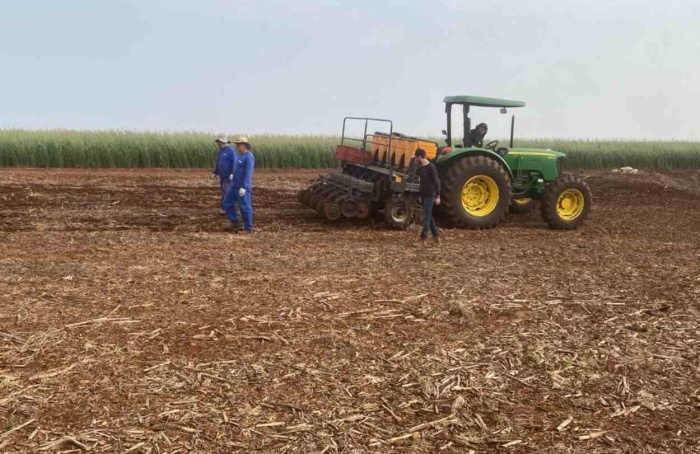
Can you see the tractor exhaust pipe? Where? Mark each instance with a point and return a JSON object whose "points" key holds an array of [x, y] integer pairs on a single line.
{"points": [[512, 129], [467, 124]]}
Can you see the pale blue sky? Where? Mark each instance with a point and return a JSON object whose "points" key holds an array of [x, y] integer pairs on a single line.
{"points": [[593, 69]]}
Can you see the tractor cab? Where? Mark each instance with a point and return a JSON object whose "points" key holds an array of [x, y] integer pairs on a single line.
{"points": [[478, 101]]}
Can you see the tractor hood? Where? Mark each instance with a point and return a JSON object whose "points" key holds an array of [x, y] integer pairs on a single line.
{"points": [[536, 152], [547, 163]]}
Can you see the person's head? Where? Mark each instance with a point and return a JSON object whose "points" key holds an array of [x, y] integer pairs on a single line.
{"points": [[242, 144], [421, 156], [482, 128], [221, 141]]}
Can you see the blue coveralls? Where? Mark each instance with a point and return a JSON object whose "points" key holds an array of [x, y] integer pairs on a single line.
{"points": [[224, 168], [242, 178]]}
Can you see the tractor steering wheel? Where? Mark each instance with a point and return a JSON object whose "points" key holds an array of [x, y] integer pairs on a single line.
{"points": [[492, 145]]}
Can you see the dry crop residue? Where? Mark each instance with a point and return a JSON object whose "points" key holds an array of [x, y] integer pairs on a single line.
{"points": [[129, 322]]}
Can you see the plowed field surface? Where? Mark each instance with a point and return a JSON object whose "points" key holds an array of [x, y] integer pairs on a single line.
{"points": [[131, 322]]}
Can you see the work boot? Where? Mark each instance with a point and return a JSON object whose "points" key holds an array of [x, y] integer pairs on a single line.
{"points": [[246, 231], [436, 240], [232, 227]]}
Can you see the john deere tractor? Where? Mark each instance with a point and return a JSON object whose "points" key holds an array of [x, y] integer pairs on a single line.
{"points": [[479, 184]]}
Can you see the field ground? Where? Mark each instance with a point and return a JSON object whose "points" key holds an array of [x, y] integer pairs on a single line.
{"points": [[129, 322]]}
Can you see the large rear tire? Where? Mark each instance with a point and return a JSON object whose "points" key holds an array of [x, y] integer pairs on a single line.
{"points": [[476, 192], [566, 202]]}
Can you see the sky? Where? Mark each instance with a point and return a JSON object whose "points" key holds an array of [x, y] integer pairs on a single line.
{"points": [[597, 69]]}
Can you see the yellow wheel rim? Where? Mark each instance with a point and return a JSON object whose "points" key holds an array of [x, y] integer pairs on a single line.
{"points": [[522, 201], [480, 196], [570, 204]]}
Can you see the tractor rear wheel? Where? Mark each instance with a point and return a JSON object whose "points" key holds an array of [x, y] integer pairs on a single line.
{"points": [[566, 202], [476, 192], [397, 212], [522, 205]]}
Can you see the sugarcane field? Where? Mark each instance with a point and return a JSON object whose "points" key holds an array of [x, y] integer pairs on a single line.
{"points": [[131, 322]]}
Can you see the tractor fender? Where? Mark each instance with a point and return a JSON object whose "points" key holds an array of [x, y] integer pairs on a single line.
{"points": [[445, 161]]}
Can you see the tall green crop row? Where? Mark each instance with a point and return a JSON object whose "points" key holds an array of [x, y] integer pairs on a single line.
{"points": [[95, 149], [58, 148]]}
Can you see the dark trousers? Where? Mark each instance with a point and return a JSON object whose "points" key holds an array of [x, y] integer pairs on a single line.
{"points": [[428, 219]]}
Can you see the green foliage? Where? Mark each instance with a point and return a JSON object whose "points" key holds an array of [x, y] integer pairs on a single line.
{"points": [[94, 149]]}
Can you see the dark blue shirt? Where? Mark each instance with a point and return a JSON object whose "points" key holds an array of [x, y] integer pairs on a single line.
{"points": [[225, 162], [243, 170]]}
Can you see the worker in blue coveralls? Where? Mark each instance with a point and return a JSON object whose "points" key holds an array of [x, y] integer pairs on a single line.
{"points": [[241, 187], [224, 166]]}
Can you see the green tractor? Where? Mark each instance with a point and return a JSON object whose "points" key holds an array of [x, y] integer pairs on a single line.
{"points": [[480, 184]]}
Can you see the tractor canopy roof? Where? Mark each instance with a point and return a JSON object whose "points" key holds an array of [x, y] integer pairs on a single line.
{"points": [[481, 101]]}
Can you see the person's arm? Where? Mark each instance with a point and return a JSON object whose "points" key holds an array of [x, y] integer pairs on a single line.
{"points": [[216, 165], [436, 179], [249, 166]]}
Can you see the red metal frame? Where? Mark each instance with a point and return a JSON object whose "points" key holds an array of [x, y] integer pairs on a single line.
{"points": [[352, 154]]}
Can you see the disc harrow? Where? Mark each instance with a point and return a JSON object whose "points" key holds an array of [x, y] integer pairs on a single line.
{"points": [[337, 196]]}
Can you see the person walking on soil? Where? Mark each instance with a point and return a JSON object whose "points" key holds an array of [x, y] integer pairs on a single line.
{"points": [[429, 194], [241, 187], [224, 166]]}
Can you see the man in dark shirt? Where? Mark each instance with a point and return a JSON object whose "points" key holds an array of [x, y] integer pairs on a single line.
{"points": [[429, 194], [476, 135]]}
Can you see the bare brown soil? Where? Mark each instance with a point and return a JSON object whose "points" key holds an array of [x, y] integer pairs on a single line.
{"points": [[131, 323]]}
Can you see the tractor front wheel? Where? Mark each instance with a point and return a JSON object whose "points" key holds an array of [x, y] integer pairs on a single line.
{"points": [[566, 202], [476, 192]]}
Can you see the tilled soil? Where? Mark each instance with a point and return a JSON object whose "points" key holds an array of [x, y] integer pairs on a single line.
{"points": [[131, 323]]}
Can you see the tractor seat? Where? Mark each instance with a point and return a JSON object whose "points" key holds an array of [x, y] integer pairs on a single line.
{"points": [[502, 152]]}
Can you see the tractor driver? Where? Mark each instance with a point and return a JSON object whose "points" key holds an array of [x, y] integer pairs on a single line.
{"points": [[476, 135]]}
